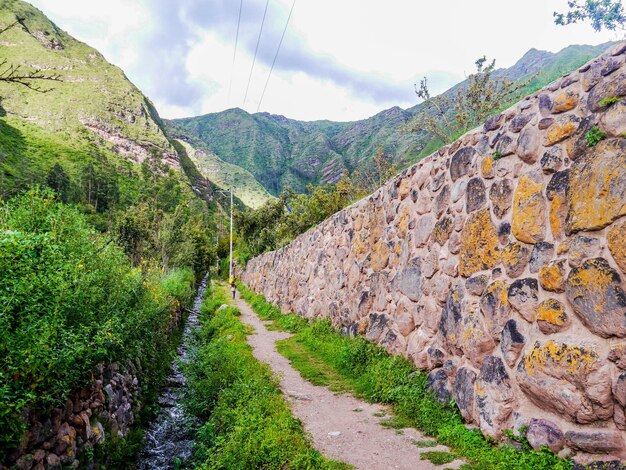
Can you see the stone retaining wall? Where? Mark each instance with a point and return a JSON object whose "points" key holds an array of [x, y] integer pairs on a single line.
{"points": [[104, 410], [497, 263]]}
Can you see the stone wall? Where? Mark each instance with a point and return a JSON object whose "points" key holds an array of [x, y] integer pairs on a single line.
{"points": [[101, 411], [104, 410], [497, 263]]}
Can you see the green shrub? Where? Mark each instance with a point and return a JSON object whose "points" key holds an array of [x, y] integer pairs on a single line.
{"points": [[69, 299], [609, 101], [178, 283]]}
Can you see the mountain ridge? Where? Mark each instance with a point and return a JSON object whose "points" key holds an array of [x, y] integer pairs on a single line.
{"points": [[282, 152]]}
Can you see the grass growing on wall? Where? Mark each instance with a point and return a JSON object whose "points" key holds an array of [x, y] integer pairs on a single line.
{"points": [[371, 373], [247, 423]]}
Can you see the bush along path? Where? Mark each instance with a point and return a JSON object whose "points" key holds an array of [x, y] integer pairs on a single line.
{"points": [[344, 363], [343, 427], [247, 424]]}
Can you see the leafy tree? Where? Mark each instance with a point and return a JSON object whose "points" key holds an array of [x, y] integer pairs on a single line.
{"points": [[100, 187], [134, 232], [59, 181], [368, 179], [601, 13], [447, 116]]}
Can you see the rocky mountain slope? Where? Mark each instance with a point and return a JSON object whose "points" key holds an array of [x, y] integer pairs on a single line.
{"points": [[282, 152], [90, 124], [92, 94]]}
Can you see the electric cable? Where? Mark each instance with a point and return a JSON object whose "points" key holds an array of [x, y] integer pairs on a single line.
{"points": [[232, 68], [255, 53], [276, 55]]}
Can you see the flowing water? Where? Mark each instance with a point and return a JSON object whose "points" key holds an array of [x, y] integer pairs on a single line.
{"points": [[168, 439]]}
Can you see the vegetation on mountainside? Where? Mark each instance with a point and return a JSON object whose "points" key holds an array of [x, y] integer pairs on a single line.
{"points": [[91, 92], [13, 73], [96, 266], [247, 422], [448, 116], [281, 220], [371, 373], [283, 153], [608, 14], [71, 299], [226, 175]]}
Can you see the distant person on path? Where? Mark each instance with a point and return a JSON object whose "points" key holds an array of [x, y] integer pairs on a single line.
{"points": [[233, 286]]}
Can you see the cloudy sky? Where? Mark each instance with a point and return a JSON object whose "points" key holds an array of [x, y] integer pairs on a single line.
{"points": [[340, 59]]}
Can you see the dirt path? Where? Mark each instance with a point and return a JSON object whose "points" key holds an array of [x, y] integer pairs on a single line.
{"points": [[344, 428]]}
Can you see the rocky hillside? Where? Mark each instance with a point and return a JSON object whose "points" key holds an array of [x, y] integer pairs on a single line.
{"points": [[84, 133], [92, 96], [282, 152]]}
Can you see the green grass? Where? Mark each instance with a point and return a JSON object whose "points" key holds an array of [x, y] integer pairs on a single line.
{"points": [[424, 444], [371, 373], [311, 368], [609, 101], [438, 457], [247, 422], [396, 422], [226, 175]]}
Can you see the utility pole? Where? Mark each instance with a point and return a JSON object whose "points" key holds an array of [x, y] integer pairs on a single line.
{"points": [[230, 277]]}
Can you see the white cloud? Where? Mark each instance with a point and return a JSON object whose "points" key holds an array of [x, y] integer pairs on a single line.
{"points": [[340, 60]]}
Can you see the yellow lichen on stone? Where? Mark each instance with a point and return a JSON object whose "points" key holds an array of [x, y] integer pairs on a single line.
{"points": [[529, 210], [363, 326], [487, 167], [570, 359], [479, 244], [616, 239], [559, 132], [358, 224], [564, 101], [552, 311], [595, 282], [404, 189], [558, 211], [358, 246], [597, 189], [380, 256], [403, 223], [552, 277], [499, 290], [563, 248], [511, 254], [514, 258], [441, 231]]}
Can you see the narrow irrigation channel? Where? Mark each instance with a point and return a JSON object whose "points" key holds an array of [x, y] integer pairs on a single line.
{"points": [[168, 440]]}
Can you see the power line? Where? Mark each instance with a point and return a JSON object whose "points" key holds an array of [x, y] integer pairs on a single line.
{"points": [[232, 68], [255, 52], [276, 56]]}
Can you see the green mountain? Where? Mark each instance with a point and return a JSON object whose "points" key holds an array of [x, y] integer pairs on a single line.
{"points": [[87, 131], [222, 174], [282, 152]]}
